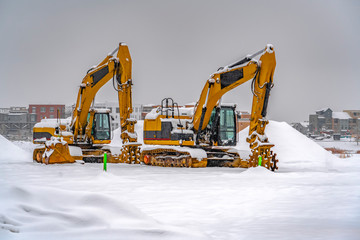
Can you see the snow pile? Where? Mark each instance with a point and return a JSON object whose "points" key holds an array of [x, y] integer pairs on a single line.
{"points": [[257, 171], [25, 145], [40, 212], [116, 135], [294, 150], [9, 152]]}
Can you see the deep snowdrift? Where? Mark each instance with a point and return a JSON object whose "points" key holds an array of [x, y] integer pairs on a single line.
{"points": [[9, 152], [294, 150], [40, 212]]}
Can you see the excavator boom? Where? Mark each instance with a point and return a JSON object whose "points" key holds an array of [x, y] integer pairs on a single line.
{"points": [[112, 67]]}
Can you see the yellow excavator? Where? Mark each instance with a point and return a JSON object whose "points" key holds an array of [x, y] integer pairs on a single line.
{"points": [[205, 136], [83, 137]]}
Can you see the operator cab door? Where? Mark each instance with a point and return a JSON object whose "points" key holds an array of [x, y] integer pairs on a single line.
{"points": [[101, 126], [227, 127]]}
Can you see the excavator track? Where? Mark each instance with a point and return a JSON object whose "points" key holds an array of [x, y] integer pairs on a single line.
{"points": [[130, 153], [222, 158], [165, 157]]}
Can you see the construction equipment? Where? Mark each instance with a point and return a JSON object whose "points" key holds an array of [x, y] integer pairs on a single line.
{"points": [[204, 137], [83, 136]]}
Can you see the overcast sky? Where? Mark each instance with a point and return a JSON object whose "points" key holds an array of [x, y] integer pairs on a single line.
{"points": [[47, 46]]}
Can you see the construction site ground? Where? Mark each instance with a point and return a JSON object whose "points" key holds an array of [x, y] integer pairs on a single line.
{"points": [[314, 195]]}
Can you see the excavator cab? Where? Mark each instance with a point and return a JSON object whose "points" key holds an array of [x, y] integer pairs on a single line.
{"points": [[98, 121], [227, 128], [223, 125], [101, 126]]}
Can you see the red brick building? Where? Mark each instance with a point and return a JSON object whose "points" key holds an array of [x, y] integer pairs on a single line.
{"points": [[47, 110], [243, 120]]}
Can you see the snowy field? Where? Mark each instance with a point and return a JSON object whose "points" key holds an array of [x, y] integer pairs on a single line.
{"points": [[349, 145], [314, 195]]}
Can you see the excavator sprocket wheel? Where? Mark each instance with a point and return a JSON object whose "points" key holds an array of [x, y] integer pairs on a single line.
{"points": [[130, 154], [268, 159], [274, 162]]}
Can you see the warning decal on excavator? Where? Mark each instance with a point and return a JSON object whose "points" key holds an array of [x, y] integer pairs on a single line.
{"points": [[229, 78]]}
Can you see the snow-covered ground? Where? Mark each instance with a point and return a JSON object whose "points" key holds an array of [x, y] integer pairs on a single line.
{"points": [[349, 145], [314, 195]]}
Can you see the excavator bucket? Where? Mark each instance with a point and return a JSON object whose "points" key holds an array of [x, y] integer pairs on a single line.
{"points": [[57, 151]]}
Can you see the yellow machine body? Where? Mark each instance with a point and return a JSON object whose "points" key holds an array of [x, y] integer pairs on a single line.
{"points": [[89, 128], [212, 126]]}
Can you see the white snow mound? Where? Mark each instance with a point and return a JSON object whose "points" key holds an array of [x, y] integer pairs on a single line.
{"points": [[257, 172], [9, 152], [294, 150], [116, 135], [63, 214]]}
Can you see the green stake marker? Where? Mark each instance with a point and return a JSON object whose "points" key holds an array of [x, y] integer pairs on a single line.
{"points": [[260, 159], [105, 161]]}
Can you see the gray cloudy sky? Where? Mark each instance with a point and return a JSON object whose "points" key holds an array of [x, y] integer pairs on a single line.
{"points": [[47, 46]]}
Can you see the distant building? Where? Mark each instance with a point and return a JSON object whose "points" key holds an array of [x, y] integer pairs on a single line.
{"points": [[327, 121], [320, 121], [4, 110], [302, 127], [243, 120], [69, 110], [341, 122], [354, 122], [353, 113], [47, 111], [16, 123]]}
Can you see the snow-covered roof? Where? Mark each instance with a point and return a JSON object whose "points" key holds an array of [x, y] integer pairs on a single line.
{"points": [[190, 104], [244, 113], [16, 114], [322, 109], [228, 104], [150, 105], [102, 110], [341, 115], [304, 124], [52, 122]]}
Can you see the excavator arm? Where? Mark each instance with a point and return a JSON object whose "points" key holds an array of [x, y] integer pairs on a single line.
{"points": [[113, 67], [230, 77], [90, 128]]}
